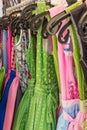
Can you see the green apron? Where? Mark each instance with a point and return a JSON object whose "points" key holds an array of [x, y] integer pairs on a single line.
{"points": [[42, 114]]}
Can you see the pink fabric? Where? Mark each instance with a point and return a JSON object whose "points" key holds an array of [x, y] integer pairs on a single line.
{"points": [[61, 55], [71, 82], [78, 121], [66, 72], [9, 41], [62, 68], [11, 104], [54, 11], [13, 88], [69, 103], [65, 64], [66, 69]]}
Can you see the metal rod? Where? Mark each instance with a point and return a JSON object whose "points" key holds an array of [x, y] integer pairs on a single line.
{"points": [[19, 6]]}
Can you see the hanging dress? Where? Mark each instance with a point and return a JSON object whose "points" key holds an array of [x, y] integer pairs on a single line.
{"points": [[42, 114], [79, 123], [69, 99], [71, 102], [3, 101], [4, 98], [13, 86], [54, 11], [22, 113]]}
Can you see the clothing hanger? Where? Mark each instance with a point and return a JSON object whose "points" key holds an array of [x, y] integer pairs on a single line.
{"points": [[21, 22], [27, 11], [55, 22], [14, 14], [4, 21], [53, 26], [17, 24], [82, 25], [26, 16], [20, 38], [45, 34], [13, 18], [14, 26], [36, 20]]}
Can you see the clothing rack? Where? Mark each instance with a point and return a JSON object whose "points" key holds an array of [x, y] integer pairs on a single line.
{"points": [[22, 5], [19, 6]]}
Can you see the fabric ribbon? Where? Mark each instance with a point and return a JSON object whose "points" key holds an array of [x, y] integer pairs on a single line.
{"points": [[51, 106], [51, 99], [31, 83], [74, 125]]}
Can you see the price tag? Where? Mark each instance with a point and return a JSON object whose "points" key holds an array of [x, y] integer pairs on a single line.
{"points": [[55, 2], [59, 2]]}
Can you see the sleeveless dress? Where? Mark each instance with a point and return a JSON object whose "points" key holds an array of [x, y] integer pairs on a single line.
{"points": [[9, 113], [79, 123], [42, 113], [3, 101], [67, 80], [22, 113]]}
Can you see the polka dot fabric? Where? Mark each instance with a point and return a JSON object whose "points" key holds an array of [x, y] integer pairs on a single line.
{"points": [[42, 112]]}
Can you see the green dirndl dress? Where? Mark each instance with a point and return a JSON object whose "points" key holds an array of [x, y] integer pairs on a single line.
{"points": [[42, 113]]}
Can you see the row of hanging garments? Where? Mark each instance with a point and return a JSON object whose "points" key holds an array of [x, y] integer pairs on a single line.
{"points": [[43, 67]]}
